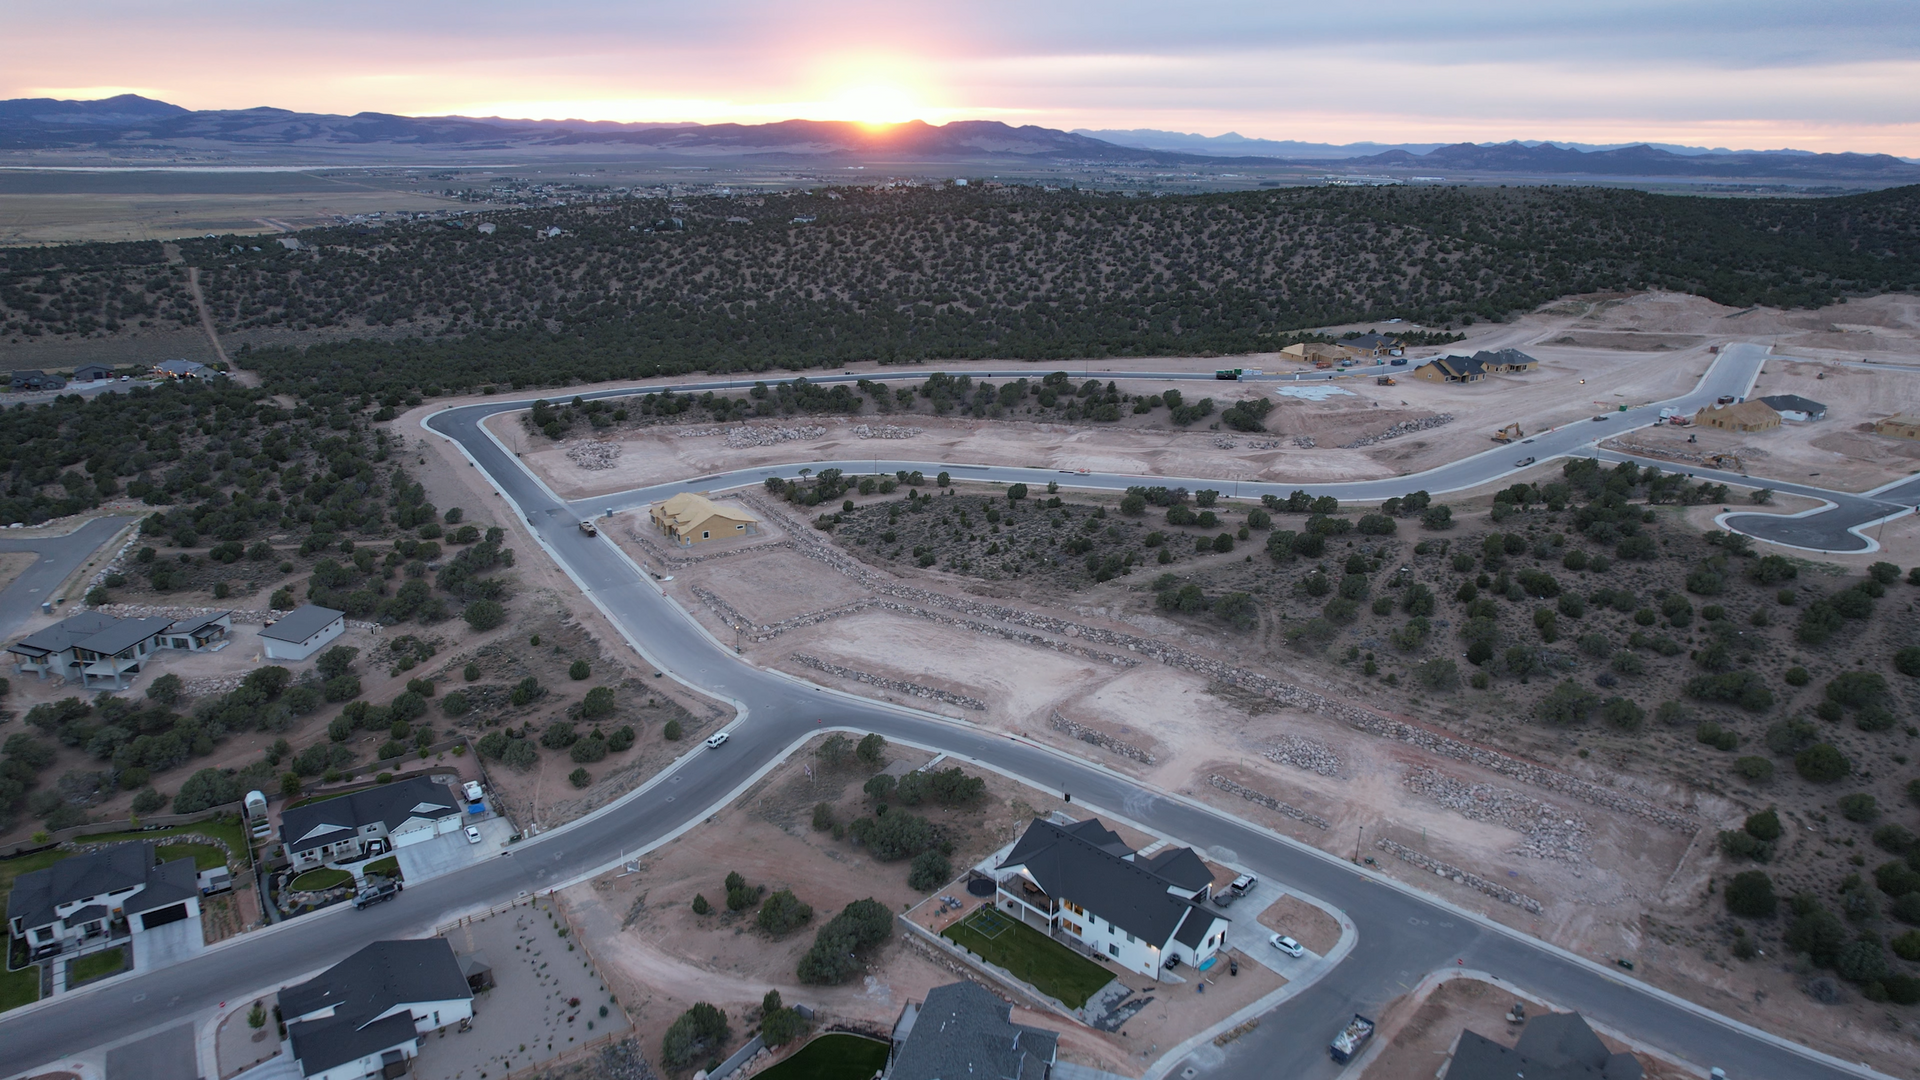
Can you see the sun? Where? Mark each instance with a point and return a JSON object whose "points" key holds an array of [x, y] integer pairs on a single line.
{"points": [[874, 104]]}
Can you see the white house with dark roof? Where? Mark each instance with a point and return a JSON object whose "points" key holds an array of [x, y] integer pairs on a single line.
{"points": [[302, 632], [366, 823], [1083, 882], [102, 652], [79, 901], [364, 1016]]}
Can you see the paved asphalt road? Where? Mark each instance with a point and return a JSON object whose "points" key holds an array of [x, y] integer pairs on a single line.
{"points": [[1401, 935], [59, 556]]}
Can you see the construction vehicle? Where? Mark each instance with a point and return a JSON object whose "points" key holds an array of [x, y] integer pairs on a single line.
{"points": [[1385, 380], [588, 528], [1510, 433], [1346, 1045], [1725, 461]]}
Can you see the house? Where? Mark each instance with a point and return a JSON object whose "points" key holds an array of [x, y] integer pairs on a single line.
{"points": [[95, 648], [1556, 1046], [103, 895], [102, 651], [1740, 416], [32, 379], [367, 823], [1371, 345], [1796, 408], [1506, 361], [364, 1016], [92, 373], [198, 633], [689, 518], [1317, 353], [1451, 369], [301, 632], [1081, 881], [963, 1032], [1903, 426], [182, 369]]}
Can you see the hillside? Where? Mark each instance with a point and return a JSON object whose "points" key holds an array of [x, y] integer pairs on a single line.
{"points": [[633, 287]]}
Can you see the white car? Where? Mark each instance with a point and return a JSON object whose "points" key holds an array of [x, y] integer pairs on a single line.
{"points": [[717, 741], [1287, 945], [473, 834]]}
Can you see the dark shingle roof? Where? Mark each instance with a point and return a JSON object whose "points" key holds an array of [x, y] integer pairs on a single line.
{"points": [[198, 622], [301, 623], [322, 1044], [963, 1032], [1503, 358], [122, 635], [1554, 1046], [377, 978], [37, 893], [1127, 894], [1793, 403], [1181, 867], [1459, 366], [309, 826], [64, 634], [169, 883]]}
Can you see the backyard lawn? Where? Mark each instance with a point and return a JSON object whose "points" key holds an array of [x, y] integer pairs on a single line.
{"points": [[228, 829], [1030, 955], [205, 856], [832, 1057], [96, 965], [316, 880], [19, 988]]}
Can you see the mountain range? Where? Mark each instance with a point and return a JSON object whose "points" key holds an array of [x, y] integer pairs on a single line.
{"points": [[130, 121]]}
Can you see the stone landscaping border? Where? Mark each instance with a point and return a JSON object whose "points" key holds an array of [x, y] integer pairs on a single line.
{"points": [[1460, 877], [1100, 739], [1268, 801], [910, 689]]}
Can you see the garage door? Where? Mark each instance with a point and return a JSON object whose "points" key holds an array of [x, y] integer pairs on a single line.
{"points": [[413, 834], [163, 916]]}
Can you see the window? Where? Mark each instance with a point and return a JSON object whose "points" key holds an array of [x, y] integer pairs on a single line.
{"points": [[706, 535], [1113, 950], [1129, 939]]}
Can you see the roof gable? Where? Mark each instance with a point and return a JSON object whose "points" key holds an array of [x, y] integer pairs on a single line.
{"points": [[1126, 893], [392, 805], [377, 978], [964, 1032]]}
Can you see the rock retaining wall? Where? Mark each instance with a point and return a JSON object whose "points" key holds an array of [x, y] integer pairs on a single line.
{"points": [[895, 685], [594, 456], [1404, 427], [1460, 877], [1267, 801], [1309, 754], [1100, 739], [1551, 833]]}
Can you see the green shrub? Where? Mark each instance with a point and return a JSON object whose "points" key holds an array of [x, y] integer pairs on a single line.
{"points": [[930, 870], [740, 895], [672, 731], [1750, 895], [700, 905], [1858, 806], [579, 778], [699, 1033], [822, 817], [1853, 689], [1907, 660], [579, 670], [836, 953], [1756, 769], [1764, 825], [783, 913], [1897, 839], [1720, 738], [1821, 763], [1798, 676]]}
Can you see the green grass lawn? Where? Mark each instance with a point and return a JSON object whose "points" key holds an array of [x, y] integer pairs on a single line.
{"points": [[323, 878], [205, 856], [19, 988], [96, 965], [387, 867], [1035, 958], [833, 1057], [229, 830]]}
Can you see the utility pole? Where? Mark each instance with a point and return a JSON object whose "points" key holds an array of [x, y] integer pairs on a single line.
{"points": [[1356, 844]]}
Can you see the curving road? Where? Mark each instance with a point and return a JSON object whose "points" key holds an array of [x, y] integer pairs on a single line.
{"points": [[1402, 935], [60, 556]]}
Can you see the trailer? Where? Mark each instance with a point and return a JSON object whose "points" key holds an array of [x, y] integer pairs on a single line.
{"points": [[1347, 1045]]}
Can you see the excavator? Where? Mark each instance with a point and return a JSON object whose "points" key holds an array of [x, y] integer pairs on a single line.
{"points": [[1384, 380], [1510, 433]]}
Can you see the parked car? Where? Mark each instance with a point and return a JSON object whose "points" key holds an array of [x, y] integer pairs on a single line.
{"points": [[1399, 361], [1243, 883], [1225, 898], [1597, 419], [376, 892], [1287, 945], [717, 741], [1523, 462], [473, 834]]}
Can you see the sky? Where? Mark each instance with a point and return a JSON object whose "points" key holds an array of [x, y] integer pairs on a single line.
{"points": [[1826, 75]]}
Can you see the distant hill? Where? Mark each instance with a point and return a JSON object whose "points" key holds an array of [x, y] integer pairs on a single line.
{"points": [[129, 121]]}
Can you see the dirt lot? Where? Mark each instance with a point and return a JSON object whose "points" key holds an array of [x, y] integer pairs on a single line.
{"points": [[1421, 1029]]}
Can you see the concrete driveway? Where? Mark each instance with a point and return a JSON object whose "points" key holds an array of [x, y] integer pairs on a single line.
{"points": [[445, 854], [163, 946], [165, 1055]]}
